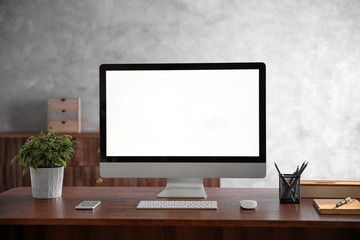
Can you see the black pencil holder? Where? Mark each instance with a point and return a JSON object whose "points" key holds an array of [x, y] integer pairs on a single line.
{"points": [[289, 188]]}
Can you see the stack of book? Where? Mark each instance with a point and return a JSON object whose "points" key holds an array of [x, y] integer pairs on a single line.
{"points": [[329, 189]]}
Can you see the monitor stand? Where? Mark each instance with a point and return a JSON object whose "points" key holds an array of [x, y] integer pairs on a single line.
{"points": [[183, 188]]}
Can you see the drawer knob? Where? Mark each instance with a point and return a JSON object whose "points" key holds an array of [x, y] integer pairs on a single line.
{"points": [[99, 180]]}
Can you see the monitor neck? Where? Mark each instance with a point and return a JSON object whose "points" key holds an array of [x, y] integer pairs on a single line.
{"points": [[183, 188]]}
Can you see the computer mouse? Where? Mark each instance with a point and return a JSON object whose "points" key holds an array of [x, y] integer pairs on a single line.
{"points": [[248, 204]]}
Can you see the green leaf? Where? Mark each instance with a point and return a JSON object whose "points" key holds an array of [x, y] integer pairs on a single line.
{"points": [[46, 150]]}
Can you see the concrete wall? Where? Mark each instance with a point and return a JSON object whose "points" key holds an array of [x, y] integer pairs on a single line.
{"points": [[311, 48]]}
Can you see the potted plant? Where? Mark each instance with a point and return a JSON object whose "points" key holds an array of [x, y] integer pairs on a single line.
{"points": [[45, 157]]}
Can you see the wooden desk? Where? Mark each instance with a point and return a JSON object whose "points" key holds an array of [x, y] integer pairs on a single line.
{"points": [[22, 217]]}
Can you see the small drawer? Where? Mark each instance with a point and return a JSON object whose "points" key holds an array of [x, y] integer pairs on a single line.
{"points": [[63, 115], [64, 126], [68, 104]]}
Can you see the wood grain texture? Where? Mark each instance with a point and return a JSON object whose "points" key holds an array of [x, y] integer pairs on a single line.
{"points": [[22, 217], [119, 203], [82, 170], [11, 175], [329, 183], [173, 232]]}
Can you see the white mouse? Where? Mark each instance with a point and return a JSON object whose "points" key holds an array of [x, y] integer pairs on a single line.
{"points": [[248, 204]]}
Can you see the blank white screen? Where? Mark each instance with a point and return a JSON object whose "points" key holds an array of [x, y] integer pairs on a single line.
{"points": [[182, 113]]}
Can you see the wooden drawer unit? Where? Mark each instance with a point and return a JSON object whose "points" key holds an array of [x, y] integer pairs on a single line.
{"points": [[82, 170], [64, 115]]}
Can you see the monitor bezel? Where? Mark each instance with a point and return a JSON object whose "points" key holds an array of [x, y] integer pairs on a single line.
{"points": [[184, 159]]}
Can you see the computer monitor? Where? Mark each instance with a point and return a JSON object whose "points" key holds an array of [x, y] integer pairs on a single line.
{"points": [[183, 122]]}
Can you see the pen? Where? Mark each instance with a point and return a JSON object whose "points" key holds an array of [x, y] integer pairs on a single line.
{"points": [[297, 170], [277, 168], [283, 179], [298, 174], [282, 175], [342, 202]]}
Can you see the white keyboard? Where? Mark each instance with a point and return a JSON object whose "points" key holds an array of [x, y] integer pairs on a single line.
{"points": [[177, 205]]}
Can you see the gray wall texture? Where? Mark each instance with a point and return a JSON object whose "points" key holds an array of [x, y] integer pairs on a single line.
{"points": [[311, 49]]}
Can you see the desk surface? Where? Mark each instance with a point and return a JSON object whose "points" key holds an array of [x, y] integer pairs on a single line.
{"points": [[118, 207]]}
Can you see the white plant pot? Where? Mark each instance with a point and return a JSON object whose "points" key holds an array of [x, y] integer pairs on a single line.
{"points": [[46, 182]]}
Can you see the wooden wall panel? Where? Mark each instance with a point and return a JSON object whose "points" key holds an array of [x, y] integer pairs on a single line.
{"points": [[82, 170], [11, 175]]}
